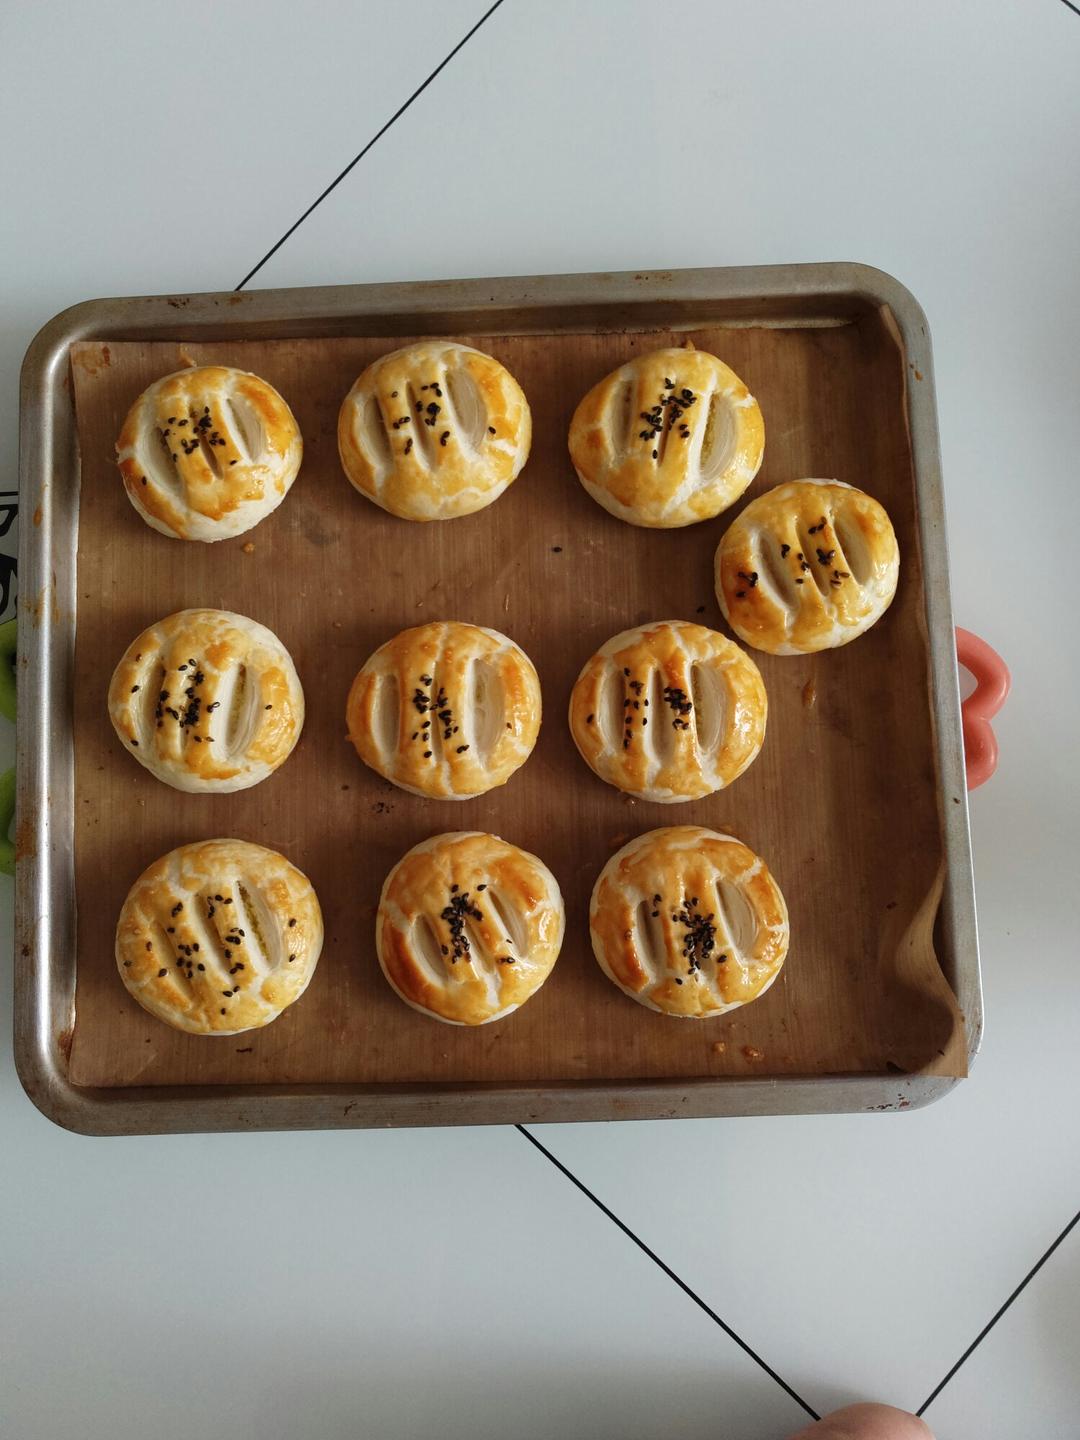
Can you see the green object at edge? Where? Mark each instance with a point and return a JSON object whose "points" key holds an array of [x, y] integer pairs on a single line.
{"points": [[7, 812], [7, 669]]}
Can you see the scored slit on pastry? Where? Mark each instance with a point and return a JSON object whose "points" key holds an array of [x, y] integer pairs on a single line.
{"points": [[466, 407], [484, 721], [418, 439], [387, 711], [244, 429], [264, 942], [428, 949], [209, 456], [207, 936], [717, 438], [377, 436], [157, 460], [622, 418], [662, 738], [709, 717], [736, 920], [853, 549], [652, 941], [773, 572], [513, 931]]}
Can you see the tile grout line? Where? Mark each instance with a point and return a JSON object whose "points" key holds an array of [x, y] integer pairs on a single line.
{"points": [[698, 1301], [373, 141], [997, 1316]]}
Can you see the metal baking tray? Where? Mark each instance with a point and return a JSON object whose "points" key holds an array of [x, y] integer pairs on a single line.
{"points": [[46, 925]]}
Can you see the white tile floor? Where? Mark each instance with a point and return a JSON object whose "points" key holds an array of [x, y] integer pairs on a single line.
{"points": [[395, 1284]]}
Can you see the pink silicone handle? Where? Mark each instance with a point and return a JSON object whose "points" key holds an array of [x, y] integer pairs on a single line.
{"points": [[992, 683]]}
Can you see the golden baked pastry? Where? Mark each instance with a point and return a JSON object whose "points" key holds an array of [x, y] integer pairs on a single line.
{"points": [[688, 922], [468, 927], [669, 711], [219, 937], [447, 710], [807, 566], [434, 431], [670, 438], [207, 453], [207, 700]]}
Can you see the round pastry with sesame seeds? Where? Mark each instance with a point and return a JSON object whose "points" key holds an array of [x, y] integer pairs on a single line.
{"points": [[208, 452], [218, 937], [670, 438], [434, 431], [469, 927], [668, 712], [688, 922], [807, 566], [446, 710], [208, 701]]}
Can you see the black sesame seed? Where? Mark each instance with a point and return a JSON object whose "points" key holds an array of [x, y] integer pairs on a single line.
{"points": [[162, 972]]}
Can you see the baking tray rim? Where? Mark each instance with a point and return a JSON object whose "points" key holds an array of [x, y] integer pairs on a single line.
{"points": [[44, 905]]}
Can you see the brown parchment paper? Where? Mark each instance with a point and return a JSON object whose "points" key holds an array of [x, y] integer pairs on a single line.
{"points": [[842, 801]]}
